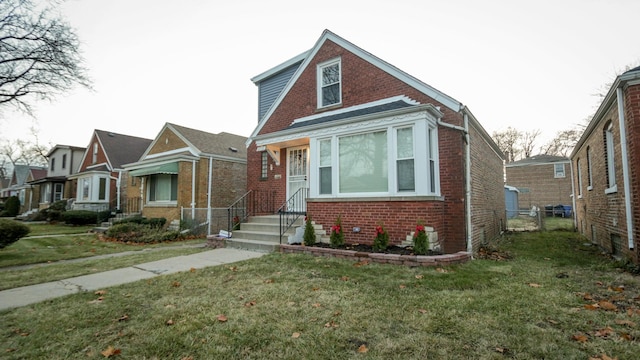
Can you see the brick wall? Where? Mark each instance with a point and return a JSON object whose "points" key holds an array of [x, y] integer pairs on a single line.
{"points": [[601, 217], [362, 83], [488, 217], [543, 187]]}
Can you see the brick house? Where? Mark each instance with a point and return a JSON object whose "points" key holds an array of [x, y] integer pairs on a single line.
{"points": [[64, 161], [20, 186], [101, 180], [541, 180], [606, 162], [358, 138], [188, 169]]}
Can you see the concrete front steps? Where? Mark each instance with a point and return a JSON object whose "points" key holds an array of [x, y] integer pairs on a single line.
{"points": [[262, 233]]}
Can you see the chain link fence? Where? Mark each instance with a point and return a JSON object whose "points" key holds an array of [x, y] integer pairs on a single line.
{"points": [[200, 222]]}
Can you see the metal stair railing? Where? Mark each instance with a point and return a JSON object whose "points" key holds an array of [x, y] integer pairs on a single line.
{"points": [[292, 209], [253, 202]]}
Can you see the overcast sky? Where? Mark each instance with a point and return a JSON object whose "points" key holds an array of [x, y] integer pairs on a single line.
{"points": [[525, 64]]}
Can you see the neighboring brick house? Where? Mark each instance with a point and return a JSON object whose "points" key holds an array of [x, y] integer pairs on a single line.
{"points": [[64, 161], [361, 139], [541, 180], [101, 179], [188, 169], [19, 185], [607, 166]]}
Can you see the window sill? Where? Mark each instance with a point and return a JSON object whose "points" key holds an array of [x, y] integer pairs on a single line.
{"points": [[611, 190], [162, 204], [376, 198], [589, 188]]}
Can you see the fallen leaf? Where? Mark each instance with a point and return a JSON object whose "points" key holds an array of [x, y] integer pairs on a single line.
{"points": [[441, 270], [169, 306], [316, 305], [100, 292], [605, 357], [233, 268], [587, 297], [295, 335], [331, 324], [422, 311], [625, 322], [250, 304], [607, 305], [222, 318], [175, 284], [124, 317], [361, 263], [344, 278], [580, 338], [268, 281], [169, 322], [110, 351], [402, 286], [363, 349], [550, 321], [626, 336], [534, 285], [604, 332], [592, 306], [192, 270], [187, 358], [337, 313], [599, 283], [419, 276], [500, 350], [315, 288]]}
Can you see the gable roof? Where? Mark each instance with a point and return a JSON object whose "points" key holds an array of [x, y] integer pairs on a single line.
{"points": [[327, 35], [541, 159], [631, 76], [21, 174], [120, 149], [202, 143], [59, 147]]}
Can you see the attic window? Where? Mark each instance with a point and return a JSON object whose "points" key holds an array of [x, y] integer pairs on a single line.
{"points": [[329, 83], [233, 149]]}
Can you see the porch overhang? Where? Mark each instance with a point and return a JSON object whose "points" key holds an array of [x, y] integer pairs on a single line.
{"points": [[168, 168]]}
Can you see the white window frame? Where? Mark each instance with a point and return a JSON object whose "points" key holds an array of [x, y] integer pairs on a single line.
{"points": [[557, 173], [55, 191], [579, 178], [92, 185], [589, 171], [320, 85], [45, 190], [424, 136], [610, 163]]}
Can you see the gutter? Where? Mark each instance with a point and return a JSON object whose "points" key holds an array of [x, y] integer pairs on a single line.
{"points": [[625, 167], [467, 182]]}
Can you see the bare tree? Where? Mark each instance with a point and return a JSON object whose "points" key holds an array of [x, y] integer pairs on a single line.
{"points": [[563, 143], [507, 141], [528, 142], [39, 55]]}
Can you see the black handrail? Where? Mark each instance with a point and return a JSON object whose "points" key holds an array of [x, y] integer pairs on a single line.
{"points": [[292, 209], [253, 202]]}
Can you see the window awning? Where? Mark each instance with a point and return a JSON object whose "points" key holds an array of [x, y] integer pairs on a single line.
{"points": [[170, 168]]}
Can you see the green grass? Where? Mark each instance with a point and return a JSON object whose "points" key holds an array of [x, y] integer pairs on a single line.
{"points": [[38, 229], [301, 307], [65, 246]]}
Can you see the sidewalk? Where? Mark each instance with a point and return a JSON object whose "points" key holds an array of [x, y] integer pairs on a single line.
{"points": [[36, 293]]}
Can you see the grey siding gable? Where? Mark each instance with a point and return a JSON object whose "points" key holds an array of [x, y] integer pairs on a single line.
{"points": [[269, 89]]}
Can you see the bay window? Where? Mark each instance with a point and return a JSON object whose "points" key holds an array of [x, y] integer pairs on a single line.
{"points": [[394, 160]]}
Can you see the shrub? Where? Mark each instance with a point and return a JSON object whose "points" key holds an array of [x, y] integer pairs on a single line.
{"points": [[80, 217], [11, 231], [141, 233], [381, 241], [155, 223], [11, 206], [337, 235], [420, 241], [138, 219], [309, 237]]}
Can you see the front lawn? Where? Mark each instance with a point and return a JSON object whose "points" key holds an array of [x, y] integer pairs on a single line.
{"points": [[551, 296]]}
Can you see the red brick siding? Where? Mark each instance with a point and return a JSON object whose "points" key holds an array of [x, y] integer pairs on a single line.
{"points": [[362, 83], [606, 212]]}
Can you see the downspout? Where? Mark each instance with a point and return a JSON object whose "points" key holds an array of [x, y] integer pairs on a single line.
{"points": [[118, 193], [467, 182], [625, 168], [193, 189], [573, 197], [209, 196]]}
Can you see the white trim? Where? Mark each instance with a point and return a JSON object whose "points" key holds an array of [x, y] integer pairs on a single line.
{"points": [[267, 74], [320, 85], [390, 100], [426, 89]]}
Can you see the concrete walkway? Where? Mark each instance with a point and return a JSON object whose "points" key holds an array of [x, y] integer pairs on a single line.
{"points": [[27, 295]]}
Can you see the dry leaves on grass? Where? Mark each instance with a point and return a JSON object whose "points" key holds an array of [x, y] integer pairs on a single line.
{"points": [[602, 357], [110, 351], [221, 318], [363, 349]]}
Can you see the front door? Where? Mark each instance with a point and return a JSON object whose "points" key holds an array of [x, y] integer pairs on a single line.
{"points": [[297, 177]]}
